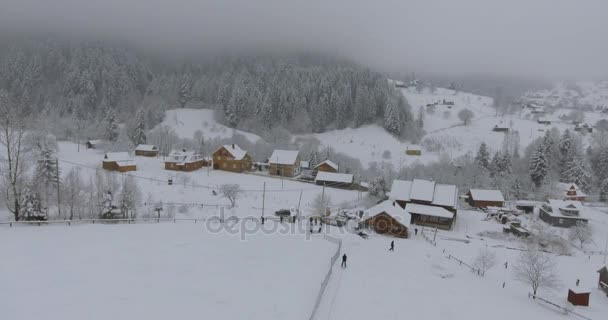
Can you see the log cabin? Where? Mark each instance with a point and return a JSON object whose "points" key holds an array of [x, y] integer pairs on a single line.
{"points": [[284, 163], [387, 218], [481, 198], [185, 161], [118, 161], [327, 166], [146, 150], [230, 157]]}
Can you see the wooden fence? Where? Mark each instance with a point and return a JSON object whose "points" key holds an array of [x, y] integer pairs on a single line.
{"points": [[325, 281], [562, 308], [462, 263]]}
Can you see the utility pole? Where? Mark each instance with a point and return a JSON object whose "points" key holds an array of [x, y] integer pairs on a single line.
{"points": [[435, 236], [299, 200], [263, 199], [58, 189], [323, 200]]}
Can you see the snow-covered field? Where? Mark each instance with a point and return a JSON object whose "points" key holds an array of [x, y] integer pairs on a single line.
{"points": [[157, 271], [185, 122]]}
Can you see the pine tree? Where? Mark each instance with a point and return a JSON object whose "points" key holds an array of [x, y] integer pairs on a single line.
{"points": [[516, 191], [31, 205], [46, 175], [231, 115], [111, 127], [604, 190], [138, 133], [602, 164], [565, 147], [392, 122], [265, 113], [577, 171], [547, 144], [539, 165], [313, 159], [506, 165], [184, 93], [495, 165], [482, 159]]}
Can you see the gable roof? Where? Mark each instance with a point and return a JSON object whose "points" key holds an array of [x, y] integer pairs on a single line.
{"points": [[445, 195], [329, 163], [117, 156], [390, 208], [183, 157], [400, 190], [334, 177], [422, 190], [94, 142], [146, 147], [428, 210], [234, 150], [283, 157], [556, 205], [486, 195]]}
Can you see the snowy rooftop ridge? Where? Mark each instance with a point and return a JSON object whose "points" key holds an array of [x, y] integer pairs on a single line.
{"points": [[558, 206], [182, 156], [146, 147], [390, 208], [422, 190], [425, 190], [283, 157], [117, 156], [334, 177], [486, 195], [329, 163], [235, 151], [428, 210]]}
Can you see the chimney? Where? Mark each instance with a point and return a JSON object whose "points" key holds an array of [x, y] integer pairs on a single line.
{"points": [[233, 146]]}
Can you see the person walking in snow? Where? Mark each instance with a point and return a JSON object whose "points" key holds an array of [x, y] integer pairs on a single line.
{"points": [[416, 231], [320, 229], [578, 281], [344, 261], [392, 246], [281, 219], [262, 220], [506, 264]]}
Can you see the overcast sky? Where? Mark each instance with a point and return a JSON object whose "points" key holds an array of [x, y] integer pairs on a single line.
{"points": [[530, 37]]}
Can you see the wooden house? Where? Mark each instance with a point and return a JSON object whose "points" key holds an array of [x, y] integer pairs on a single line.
{"points": [[544, 121], [146, 150], [335, 180], [230, 157], [327, 166], [387, 218], [583, 128], [480, 198], [413, 150], [560, 213], [498, 128], [431, 204], [569, 191], [285, 163], [579, 297], [185, 161], [603, 279], [118, 161]]}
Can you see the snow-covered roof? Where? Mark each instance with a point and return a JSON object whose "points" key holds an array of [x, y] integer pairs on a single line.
{"points": [[183, 157], [304, 164], [146, 147], [487, 195], [414, 147], [390, 208], [334, 177], [94, 142], [445, 195], [559, 206], [283, 157], [117, 156], [565, 187], [401, 190], [235, 151], [329, 163], [428, 210], [125, 163], [422, 190]]}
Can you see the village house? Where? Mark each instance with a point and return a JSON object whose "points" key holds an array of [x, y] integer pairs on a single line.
{"points": [[387, 218], [230, 157], [500, 128], [327, 166], [569, 191], [429, 203], [335, 180], [118, 161], [584, 128], [185, 161], [561, 213], [480, 198], [603, 279], [146, 150], [284, 163], [544, 121]]}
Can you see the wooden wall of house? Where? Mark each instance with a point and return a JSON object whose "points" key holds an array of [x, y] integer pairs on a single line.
{"points": [[387, 225], [326, 168], [285, 170], [485, 204], [223, 160], [145, 153], [431, 221]]}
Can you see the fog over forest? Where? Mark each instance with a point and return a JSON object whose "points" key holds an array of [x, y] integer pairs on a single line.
{"points": [[555, 38]]}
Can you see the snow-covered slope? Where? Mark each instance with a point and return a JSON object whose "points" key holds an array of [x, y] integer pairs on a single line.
{"points": [[584, 93], [186, 122]]}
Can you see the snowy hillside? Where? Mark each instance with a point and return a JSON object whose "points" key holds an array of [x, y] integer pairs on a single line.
{"points": [[186, 122], [592, 94]]}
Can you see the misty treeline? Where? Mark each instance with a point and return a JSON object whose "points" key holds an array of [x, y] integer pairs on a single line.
{"points": [[74, 85], [529, 174]]}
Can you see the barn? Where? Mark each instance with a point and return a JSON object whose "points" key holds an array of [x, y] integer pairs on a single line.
{"points": [[481, 198], [335, 180], [327, 166], [285, 163], [560, 213], [185, 161], [118, 161], [387, 218], [146, 150], [230, 157]]}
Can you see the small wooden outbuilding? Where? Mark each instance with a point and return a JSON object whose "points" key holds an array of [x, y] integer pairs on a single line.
{"points": [[579, 297], [327, 166], [230, 157], [284, 163], [498, 128], [185, 161], [118, 161], [413, 151], [481, 198], [146, 150], [603, 280]]}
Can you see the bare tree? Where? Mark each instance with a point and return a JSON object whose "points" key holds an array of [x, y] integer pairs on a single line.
{"points": [[14, 168], [485, 260], [230, 192], [73, 193], [537, 269], [581, 232], [465, 115], [320, 203]]}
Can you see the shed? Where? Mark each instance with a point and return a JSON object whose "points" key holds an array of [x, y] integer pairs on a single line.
{"points": [[285, 163], [118, 161], [387, 218], [481, 198], [498, 128], [525, 205], [185, 161], [146, 150], [336, 180], [432, 216], [327, 166], [413, 150], [579, 297]]}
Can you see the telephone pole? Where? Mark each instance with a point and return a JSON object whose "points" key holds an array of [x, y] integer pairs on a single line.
{"points": [[263, 199], [58, 189], [299, 200]]}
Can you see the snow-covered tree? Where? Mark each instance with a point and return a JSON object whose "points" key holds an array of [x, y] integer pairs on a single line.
{"points": [[313, 160], [576, 171], [482, 159], [539, 165], [46, 175], [73, 193], [516, 191], [377, 187], [465, 115], [485, 260], [110, 131], [537, 269], [231, 192], [32, 207], [138, 132], [581, 232], [320, 203], [392, 121], [184, 92], [265, 112], [604, 190]]}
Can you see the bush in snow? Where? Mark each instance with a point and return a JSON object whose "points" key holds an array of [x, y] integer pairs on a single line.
{"points": [[465, 115], [485, 260]]}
